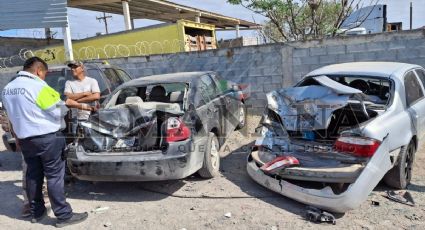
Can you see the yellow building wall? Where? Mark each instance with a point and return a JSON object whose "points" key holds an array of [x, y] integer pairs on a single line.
{"points": [[167, 38]]}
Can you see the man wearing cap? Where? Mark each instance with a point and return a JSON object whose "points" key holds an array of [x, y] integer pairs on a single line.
{"points": [[36, 111], [82, 89]]}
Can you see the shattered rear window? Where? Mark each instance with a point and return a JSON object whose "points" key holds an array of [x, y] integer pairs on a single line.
{"points": [[377, 89]]}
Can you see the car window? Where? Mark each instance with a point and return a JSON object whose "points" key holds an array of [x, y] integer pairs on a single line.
{"points": [[113, 78], [96, 74], [412, 88], [222, 85], [421, 74], [123, 75], [57, 78], [207, 90]]}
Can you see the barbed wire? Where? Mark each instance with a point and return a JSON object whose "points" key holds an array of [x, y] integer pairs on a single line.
{"points": [[56, 55]]}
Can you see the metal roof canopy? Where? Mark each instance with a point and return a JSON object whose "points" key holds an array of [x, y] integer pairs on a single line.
{"points": [[163, 11]]}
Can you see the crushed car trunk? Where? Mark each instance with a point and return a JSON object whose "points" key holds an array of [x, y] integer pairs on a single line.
{"points": [[311, 146], [305, 121], [128, 127]]}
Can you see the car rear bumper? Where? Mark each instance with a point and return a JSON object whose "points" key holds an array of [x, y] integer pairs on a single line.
{"points": [[325, 198], [178, 161]]}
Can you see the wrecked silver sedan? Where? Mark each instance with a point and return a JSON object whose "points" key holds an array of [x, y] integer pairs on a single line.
{"points": [[328, 141], [159, 127]]}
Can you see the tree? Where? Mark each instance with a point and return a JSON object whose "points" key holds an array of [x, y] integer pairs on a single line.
{"points": [[290, 20]]}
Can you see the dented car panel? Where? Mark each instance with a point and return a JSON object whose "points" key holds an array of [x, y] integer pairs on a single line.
{"points": [[183, 160], [326, 121]]}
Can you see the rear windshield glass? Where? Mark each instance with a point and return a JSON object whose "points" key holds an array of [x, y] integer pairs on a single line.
{"points": [[377, 89]]}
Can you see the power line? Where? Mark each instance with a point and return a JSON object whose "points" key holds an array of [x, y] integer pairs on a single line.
{"points": [[105, 20]]}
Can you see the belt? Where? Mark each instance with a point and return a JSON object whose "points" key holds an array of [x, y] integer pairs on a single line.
{"points": [[40, 136]]}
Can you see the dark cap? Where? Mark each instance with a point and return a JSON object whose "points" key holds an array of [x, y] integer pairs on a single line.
{"points": [[74, 63]]}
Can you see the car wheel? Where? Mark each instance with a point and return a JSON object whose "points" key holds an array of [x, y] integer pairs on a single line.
{"points": [[210, 167], [241, 116], [399, 176]]}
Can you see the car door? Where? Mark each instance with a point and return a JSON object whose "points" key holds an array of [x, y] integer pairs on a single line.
{"points": [[229, 105], [420, 107], [207, 104], [415, 102]]}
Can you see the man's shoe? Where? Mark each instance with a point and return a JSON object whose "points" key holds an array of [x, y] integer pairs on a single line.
{"points": [[26, 211], [75, 219], [37, 219]]}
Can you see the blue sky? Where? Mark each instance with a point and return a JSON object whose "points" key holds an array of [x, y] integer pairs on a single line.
{"points": [[83, 23]]}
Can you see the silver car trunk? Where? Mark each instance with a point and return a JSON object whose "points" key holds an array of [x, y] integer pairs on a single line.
{"points": [[127, 127]]}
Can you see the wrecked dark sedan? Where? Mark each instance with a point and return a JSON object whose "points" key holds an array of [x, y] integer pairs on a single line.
{"points": [[330, 139], [159, 127]]}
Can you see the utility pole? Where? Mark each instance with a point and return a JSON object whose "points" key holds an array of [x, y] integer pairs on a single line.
{"points": [[105, 20], [49, 35], [411, 15]]}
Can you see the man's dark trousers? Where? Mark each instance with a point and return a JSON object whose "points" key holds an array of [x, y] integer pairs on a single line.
{"points": [[43, 155]]}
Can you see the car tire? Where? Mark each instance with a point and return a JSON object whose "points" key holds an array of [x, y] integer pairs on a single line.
{"points": [[401, 174], [241, 116], [211, 165]]}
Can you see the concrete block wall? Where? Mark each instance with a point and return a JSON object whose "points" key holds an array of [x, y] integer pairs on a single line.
{"points": [[269, 67], [261, 67]]}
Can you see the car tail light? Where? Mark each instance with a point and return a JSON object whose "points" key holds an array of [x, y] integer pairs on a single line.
{"points": [[177, 130], [358, 146]]}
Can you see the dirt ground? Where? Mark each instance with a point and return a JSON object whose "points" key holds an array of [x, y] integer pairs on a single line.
{"points": [[194, 203]]}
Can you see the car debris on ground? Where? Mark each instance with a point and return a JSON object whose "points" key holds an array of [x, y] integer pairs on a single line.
{"points": [[403, 197], [316, 215], [99, 209]]}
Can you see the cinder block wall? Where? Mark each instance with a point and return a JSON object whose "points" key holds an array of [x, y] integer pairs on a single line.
{"points": [[273, 66], [269, 67]]}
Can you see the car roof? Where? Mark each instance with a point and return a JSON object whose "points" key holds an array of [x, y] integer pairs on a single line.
{"points": [[376, 69], [87, 64], [166, 78]]}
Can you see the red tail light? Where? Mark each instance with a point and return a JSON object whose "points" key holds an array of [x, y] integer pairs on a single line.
{"points": [[358, 146], [177, 130]]}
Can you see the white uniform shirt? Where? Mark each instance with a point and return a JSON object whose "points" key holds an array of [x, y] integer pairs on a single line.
{"points": [[32, 106]]}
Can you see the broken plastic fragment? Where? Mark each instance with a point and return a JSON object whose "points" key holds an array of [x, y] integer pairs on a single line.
{"points": [[100, 209], [279, 163], [403, 197]]}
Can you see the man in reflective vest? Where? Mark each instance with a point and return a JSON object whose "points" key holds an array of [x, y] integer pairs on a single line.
{"points": [[36, 112]]}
